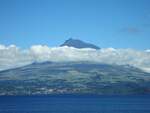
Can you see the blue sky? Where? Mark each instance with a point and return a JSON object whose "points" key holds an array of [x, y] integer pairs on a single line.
{"points": [[106, 23]]}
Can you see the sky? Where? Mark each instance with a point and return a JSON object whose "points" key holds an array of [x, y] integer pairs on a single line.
{"points": [[106, 23]]}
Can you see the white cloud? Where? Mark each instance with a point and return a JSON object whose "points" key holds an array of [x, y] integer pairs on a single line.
{"points": [[148, 50], [12, 56]]}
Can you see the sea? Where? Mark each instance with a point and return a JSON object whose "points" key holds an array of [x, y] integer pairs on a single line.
{"points": [[75, 104]]}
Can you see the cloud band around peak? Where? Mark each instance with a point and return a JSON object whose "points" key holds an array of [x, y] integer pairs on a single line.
{"points": [[12, 56]]}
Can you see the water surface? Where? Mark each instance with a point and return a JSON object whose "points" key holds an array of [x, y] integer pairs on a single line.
{"points": [[75, 104]]}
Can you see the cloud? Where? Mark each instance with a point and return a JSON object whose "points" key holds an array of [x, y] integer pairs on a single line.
{"points": [[131, 30], [12, 56], [147, 50], [146, 25]]}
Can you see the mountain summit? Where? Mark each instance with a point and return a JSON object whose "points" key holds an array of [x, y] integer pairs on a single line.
{"points": [[78, 44]]}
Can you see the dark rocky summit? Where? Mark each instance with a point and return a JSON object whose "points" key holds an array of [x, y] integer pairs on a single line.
{"points": [[78, 44]]}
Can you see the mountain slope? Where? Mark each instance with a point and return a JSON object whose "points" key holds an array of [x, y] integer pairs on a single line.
{"points": [[74, 77], [78, 44]]}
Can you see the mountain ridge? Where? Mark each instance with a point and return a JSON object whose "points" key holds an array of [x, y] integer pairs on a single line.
{"points": [[78, 44], [74, 78]]}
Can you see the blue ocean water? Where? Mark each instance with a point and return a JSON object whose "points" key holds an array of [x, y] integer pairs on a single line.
{"points": [[75, 104]]}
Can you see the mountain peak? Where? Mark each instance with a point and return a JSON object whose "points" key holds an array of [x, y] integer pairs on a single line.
{"points": [[78, 44]]}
